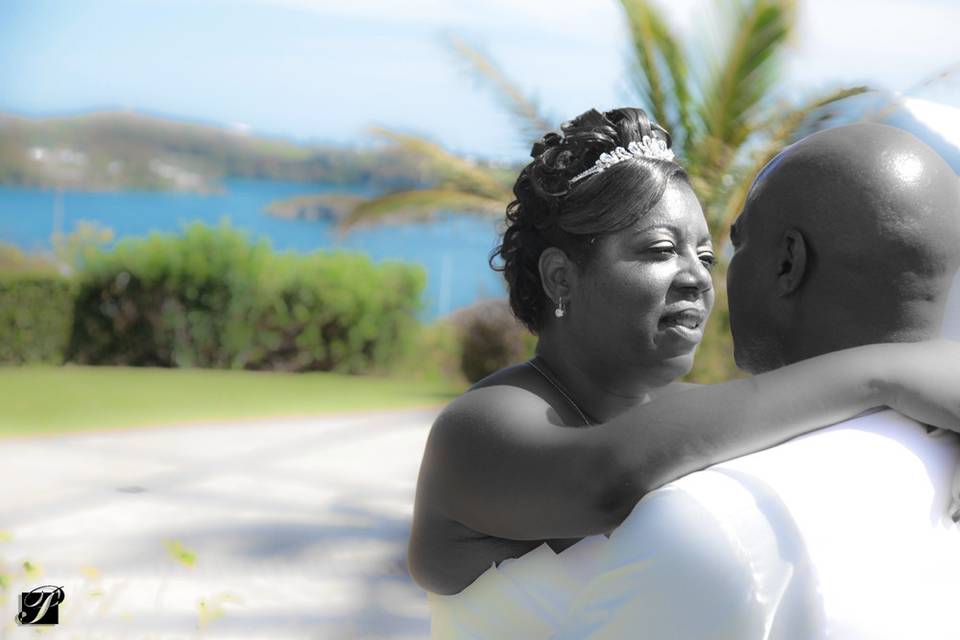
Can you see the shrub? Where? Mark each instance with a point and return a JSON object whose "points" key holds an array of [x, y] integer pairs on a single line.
{"points": [[12, 258], [491, 338], [434, 354], [211, 298], [36, 310], [331, 312]]}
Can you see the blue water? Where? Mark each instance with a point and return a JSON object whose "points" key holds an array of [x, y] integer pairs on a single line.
{"points": [[453, 249]]}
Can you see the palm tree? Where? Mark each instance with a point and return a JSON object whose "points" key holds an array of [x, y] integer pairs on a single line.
{"points": [[719, 105], [724, 120], [462, 186]]}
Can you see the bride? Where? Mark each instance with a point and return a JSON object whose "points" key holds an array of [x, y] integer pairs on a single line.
{"points": [[607, 257]]}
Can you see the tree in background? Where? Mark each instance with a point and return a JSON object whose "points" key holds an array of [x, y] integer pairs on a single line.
{"points": [[720, 105], [460, 185], [718, 100]]}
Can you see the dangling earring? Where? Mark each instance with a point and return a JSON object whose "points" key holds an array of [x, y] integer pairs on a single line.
{"points": [[560, 311]]}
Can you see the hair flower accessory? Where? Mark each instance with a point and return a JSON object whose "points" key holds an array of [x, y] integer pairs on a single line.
{"points": [[648, 147]]}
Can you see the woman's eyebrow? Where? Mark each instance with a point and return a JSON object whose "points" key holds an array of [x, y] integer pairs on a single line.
{"points": [[653, 227]]}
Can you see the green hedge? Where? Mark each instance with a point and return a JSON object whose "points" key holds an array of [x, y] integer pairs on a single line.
{"points": [[211, 298], [491, 338], [36, 311]]}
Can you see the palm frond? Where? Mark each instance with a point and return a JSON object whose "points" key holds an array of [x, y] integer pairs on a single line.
{"points": [[530, 119], [814, 115], [324, 206], [744, 77], [660, 69], [647, 77], [467, 176], [675, 61], [420, 204], [785, 127]]}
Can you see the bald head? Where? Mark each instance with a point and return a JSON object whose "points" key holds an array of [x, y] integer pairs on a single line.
{"points": [[850, 236]]}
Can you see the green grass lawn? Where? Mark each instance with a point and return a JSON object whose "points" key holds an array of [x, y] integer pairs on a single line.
{"points": [[59, 399]]}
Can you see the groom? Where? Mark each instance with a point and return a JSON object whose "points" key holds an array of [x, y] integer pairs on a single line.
{"points": [[851, 236]]}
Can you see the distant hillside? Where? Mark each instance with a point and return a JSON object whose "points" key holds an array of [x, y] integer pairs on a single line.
{"points": [[123, 150]]}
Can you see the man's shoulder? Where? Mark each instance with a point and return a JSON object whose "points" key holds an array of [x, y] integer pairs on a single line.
{"points": [[876, 466], [882, 468], [833, 449]]}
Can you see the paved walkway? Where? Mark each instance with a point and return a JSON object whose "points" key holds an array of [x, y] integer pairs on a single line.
{"points": [[298, 528]]}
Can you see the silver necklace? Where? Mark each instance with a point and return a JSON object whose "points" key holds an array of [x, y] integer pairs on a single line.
{"points": [[556, 385]]}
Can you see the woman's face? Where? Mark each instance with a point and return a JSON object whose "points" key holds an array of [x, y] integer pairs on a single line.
{"points": [[646, 292]]}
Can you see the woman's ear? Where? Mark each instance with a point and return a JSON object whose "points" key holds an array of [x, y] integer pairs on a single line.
{"points": [[792, 262], [555, 272]]}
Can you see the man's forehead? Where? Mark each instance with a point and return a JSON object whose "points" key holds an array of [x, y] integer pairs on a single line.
{"points": [[766, 172], [757, 188]]}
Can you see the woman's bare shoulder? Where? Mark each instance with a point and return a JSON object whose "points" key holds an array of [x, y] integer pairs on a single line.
{"points": [[509, 395], [517, 375], [506, 411]]}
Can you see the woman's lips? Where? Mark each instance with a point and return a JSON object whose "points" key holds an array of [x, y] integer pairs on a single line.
{"points": [[686, 324], [686, 318]]}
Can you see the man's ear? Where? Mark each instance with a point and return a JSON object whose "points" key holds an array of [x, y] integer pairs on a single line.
{"points": [[791, 262], [555, 272]]}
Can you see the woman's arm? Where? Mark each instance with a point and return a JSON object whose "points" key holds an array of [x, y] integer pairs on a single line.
{"points": [[495, 463]]}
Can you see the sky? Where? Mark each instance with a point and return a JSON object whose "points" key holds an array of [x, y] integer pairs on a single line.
{"points": [[325, 71]]}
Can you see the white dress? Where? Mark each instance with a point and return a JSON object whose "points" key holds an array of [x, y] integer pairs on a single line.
{"points": [[525, 597], [838, 534]]}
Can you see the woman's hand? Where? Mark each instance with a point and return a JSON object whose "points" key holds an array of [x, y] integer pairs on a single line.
{"points": [[923, 382]]}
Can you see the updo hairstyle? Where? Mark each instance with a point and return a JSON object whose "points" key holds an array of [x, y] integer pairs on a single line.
{"points": [[549, 211]]}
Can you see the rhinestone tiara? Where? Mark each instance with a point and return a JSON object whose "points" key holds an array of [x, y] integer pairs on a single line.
{"points": [[648, 147]]}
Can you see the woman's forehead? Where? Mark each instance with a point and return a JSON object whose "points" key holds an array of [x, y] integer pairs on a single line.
{"points": [[678, 194], [678, 209]]}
